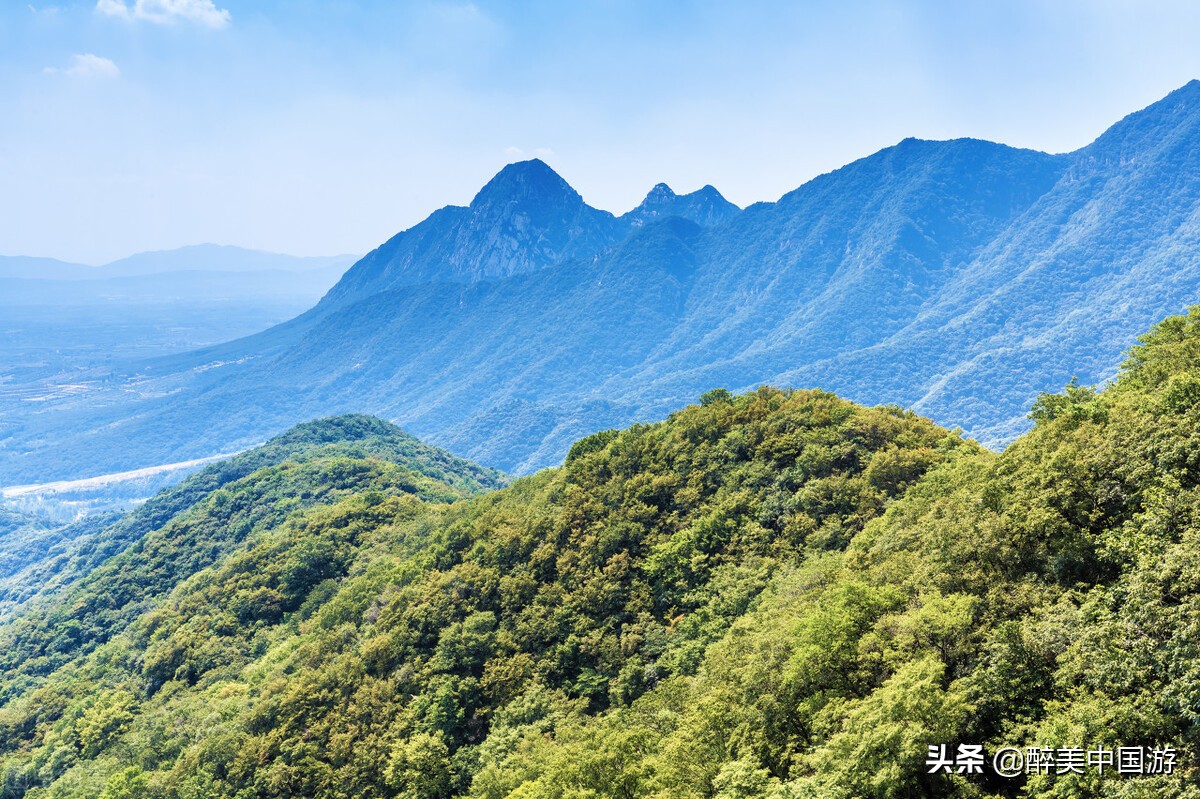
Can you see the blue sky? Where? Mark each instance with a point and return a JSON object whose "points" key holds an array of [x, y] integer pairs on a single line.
{"points": [[324, 126]]}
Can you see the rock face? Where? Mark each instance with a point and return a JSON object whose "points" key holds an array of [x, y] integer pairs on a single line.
{"points": [[526, 218], [961, 278], [705, 207]]}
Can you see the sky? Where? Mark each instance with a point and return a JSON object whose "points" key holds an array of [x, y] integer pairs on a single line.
{"points": [[319, 127]]}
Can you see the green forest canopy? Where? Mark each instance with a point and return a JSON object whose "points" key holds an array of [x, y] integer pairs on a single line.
{"points": [[779, 594]]}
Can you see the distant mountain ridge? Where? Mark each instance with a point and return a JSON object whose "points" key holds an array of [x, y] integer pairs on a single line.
{"points": [[704, 206], [192, 258], [525, 219], [961, 278]]}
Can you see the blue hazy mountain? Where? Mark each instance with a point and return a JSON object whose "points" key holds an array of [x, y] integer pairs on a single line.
{"points": [[526, 218], [705, 206], [194, 258], [960, 277], [26, 267], [221, 258], [1061, 292], [200, 273]]}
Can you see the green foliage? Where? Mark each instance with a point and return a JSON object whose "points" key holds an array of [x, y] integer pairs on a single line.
{"points": [[1076, 403], [777, 595], [715, 395], [325, 623], [593, 443], [128, 784], [38, 559]]}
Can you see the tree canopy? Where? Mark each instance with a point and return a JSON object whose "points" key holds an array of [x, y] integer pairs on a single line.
{"points": [[777, 594]]}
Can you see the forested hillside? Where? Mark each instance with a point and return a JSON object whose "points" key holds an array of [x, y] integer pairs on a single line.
{"points": [[41, 558], [779, 594]]}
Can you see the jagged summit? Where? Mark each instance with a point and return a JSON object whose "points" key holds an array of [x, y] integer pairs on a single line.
{"points": [[529, 197], [661, 194], [524, 219], [705, 207], [531, 181]]}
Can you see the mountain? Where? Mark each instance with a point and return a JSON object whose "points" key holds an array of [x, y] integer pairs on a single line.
{"points": [[525, 219], [1112, 246], [313, 464], [960, 278], [220, 258], [262, 287], [705, 206], [24, 539], [195, 258], [331, 544], [21, 266], [777, 594], [201, 273]]}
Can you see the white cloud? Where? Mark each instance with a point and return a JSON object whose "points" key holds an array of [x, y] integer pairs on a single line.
{"points": [[164, 12], [113, 8], [86, 65]]}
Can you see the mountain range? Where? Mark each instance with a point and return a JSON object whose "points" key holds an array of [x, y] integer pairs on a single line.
{"points": [[203, 272], [960, 278], [194, 258]]}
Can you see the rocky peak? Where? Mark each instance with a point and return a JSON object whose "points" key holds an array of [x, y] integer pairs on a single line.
{"points": [[705, 206], [526, 184]]}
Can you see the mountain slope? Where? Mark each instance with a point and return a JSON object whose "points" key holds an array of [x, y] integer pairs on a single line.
{"points": [[1110, 249], [779, 595], [847, 259], [526, 218], [551, 577], [26, 541], [107, 568]]}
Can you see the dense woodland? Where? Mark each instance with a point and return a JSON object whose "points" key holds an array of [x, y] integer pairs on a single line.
{"points": [[779, 594]]}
